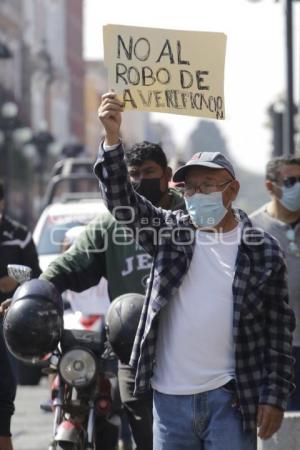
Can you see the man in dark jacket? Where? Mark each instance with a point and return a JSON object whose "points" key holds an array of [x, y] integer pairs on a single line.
{"points": [[16, 247]]}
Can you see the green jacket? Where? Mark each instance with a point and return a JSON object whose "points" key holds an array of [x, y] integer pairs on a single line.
{"points": [[105, 249]]}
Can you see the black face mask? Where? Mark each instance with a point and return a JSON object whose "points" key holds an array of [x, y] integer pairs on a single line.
{"points": [[149, 188]]}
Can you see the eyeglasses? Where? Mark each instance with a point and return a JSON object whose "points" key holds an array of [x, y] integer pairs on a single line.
{"points": [[290, 181], [203, 188], [293, 248]]}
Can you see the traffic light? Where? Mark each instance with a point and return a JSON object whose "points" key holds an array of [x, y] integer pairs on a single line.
{"points": [[279, 128], [276, 112]]}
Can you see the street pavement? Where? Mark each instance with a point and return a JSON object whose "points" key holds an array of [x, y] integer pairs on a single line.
{"points": [[31, 427]]}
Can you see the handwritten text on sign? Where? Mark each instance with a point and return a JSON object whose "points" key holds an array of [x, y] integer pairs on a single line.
{"points": [[179, 72]]}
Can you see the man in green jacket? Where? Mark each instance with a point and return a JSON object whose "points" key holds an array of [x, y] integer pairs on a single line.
{"points": [[109, 249]]}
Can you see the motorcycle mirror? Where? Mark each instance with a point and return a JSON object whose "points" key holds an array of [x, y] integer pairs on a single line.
{"points": [[19, 272]]}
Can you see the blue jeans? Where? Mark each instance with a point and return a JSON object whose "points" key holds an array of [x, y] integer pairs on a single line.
{"points": [[207, 421]]}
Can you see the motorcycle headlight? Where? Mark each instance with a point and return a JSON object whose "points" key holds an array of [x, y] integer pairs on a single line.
{"points": [[78, 367]]}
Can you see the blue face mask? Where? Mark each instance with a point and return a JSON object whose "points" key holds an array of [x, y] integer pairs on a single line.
{"points": [[206, 210], [291, 197]]}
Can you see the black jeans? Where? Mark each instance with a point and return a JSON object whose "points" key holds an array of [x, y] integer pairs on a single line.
{"points": [[7, 388], [138, 409]]}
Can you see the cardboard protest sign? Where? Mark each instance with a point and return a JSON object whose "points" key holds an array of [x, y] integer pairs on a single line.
{"points": [[171, 71]]}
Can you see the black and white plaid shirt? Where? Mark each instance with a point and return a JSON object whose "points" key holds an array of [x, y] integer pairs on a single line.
{"points": [[262, 323]]}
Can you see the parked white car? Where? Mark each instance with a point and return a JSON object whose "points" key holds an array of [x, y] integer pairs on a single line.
{"points": [[56, 219]]}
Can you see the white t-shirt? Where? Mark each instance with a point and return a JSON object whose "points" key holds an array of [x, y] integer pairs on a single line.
{"points": [[194, 350], [94, 300]]}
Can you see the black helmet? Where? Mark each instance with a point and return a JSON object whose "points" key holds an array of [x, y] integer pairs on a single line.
{"points": [[122, 320], [34, 322]]}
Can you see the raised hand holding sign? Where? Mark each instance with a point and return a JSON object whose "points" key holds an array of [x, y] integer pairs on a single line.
{"points": [[178, 72]]}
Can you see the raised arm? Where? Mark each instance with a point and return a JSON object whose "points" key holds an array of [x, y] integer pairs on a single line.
{"points": [[128, 207]]}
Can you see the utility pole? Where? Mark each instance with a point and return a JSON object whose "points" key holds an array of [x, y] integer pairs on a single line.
{"points": [[288, 125], [289, 108]]}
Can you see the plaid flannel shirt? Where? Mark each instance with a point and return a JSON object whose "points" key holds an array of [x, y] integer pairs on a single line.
{"points": [[262, 321]]}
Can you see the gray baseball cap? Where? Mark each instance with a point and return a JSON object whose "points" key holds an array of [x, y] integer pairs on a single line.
{"points": [[214, 160]]}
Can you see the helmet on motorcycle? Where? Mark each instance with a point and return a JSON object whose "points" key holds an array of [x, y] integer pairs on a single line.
{"points": [[122, 319], [34, 322]]}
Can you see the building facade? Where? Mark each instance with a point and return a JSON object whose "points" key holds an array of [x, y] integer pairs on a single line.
{"points": [[53, 40], [44, 76], [75, 63], [11, 38]]}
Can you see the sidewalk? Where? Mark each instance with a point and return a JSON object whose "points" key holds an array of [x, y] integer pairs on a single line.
{"points": [[288, 437]]}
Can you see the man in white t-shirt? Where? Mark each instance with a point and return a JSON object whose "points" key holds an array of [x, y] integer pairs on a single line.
{"points": [[215, 334]]}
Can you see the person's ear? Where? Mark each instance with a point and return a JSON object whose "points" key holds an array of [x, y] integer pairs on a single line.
{"points": [[269, 186], [235, 188], [169, 173], [230, 193]]}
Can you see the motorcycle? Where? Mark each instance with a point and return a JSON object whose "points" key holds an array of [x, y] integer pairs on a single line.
{"points": [[86, 411], [82, 393]]}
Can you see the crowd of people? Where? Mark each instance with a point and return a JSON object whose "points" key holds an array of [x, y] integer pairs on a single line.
{"points": [[218, 340]]}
